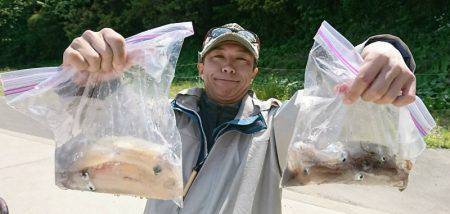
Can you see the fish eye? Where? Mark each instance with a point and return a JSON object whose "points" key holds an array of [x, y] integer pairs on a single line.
{"points": [[359, 177], [306, 171], [157, 169]]}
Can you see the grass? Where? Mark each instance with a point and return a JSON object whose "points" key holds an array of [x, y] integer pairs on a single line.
{"points": [[440, 135], [178, 86], [439, 138]]}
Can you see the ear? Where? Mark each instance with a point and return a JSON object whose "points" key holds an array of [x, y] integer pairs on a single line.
{"points": [[200, 68], [255, 72]]}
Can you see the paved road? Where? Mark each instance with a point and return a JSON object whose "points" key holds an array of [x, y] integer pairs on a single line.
{"points": [[27, 182]]}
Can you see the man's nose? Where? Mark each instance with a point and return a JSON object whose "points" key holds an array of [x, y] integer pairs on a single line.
{"points": [[228, 69]]}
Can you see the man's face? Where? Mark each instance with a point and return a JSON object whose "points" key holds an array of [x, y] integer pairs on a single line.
{"points": [[227, 72]]}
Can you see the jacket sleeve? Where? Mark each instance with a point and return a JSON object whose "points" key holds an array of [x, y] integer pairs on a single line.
{"points": [[287, 114], [396, 42]]}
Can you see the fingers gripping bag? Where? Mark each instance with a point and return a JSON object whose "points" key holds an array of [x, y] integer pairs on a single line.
{"points": [[362, 143], [113, 135]]}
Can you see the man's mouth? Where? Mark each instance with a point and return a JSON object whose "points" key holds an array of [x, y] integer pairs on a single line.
{"points": [[226, 80]]}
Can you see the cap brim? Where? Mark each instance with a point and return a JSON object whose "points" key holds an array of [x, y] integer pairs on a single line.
{"points": [[230, 37]]}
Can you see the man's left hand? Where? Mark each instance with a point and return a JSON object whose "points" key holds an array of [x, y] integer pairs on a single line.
{"points": [[384, 77]]}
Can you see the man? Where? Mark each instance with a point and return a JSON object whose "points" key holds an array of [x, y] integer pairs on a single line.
{"points": [[235, 145]]}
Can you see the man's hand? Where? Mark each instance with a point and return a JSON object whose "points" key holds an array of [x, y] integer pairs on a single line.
{"points": [[384, 78], [102, 53]]}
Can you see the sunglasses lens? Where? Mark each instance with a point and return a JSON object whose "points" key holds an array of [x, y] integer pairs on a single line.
{"points": [[249, 36], [219, 31]]}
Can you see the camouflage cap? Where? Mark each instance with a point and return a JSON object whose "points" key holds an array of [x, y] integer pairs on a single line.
{"points": [[230, 32]]}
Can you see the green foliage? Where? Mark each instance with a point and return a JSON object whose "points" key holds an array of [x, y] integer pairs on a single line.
{"points": [[27, 35], [36, 33]]}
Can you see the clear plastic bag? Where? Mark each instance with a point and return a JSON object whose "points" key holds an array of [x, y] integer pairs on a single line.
{"points": [[117, 136], [362, 143]]}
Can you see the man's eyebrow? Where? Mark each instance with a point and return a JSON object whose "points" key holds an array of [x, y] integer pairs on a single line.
{"points": [[243, 50]]}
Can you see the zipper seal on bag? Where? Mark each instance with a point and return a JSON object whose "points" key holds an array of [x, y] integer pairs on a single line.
{"points": [[421, 117], [20, 81], [337, 54]]}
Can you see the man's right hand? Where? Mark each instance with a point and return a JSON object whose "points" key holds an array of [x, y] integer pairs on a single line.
{"points": [[101, 52]]}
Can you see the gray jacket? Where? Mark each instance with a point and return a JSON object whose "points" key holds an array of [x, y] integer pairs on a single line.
{"points": [[243, 170]]}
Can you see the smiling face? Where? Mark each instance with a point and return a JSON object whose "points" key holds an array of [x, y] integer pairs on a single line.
{"points": [[227, 72]]}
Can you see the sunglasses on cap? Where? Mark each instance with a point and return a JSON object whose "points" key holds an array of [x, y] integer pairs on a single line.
{"points": [[216, 32]]}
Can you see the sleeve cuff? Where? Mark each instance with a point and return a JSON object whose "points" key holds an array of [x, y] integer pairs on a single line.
{"points": [[398, 44]]}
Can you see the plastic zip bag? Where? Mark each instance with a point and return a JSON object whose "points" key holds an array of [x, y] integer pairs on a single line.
{"points": [[362, 143], [117, 136]]}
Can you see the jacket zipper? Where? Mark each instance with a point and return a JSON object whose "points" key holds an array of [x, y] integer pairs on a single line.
{"points": [[187, 110], [219, 134], [205, 161]]}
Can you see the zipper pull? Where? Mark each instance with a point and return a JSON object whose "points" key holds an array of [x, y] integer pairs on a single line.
{"points": [[189, 182], [192, 178]]}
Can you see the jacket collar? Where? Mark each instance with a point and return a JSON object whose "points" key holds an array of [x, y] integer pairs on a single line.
{"points": [[250, 105]]}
